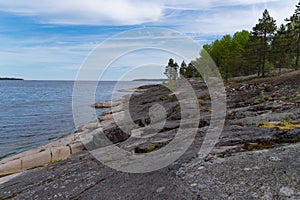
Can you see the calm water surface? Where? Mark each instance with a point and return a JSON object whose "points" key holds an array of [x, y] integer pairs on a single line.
{"points": [[33, 113]]}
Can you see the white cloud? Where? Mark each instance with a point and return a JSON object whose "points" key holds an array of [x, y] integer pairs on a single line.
{"points": [[88, 12], [202, 20], [216, 17], [210, 4], [205, 16], [42, 53], [113, 12]]}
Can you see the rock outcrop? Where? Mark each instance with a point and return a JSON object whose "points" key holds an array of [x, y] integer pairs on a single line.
{"points": [[256, 156]]}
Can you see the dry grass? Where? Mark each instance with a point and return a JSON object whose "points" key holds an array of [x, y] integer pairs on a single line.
{"points": [[284, 125]]}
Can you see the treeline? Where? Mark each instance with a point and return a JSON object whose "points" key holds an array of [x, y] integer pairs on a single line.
{"points": [[261, 50], [11, 79]]}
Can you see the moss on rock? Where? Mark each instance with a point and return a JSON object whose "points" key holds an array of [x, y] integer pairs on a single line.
{"points": [[283, 125]]}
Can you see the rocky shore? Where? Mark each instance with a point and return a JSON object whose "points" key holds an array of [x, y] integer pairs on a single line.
{"points": [[256, 156]]}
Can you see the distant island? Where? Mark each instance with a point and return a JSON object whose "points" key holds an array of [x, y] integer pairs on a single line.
{"points": [[150, 80], [11, 79]]}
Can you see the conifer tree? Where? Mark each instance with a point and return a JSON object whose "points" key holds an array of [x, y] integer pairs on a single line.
{"points": [[294, 25], [264, 32]]}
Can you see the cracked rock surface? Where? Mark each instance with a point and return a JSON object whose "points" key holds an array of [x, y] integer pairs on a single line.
{"points": [[248, 162]]}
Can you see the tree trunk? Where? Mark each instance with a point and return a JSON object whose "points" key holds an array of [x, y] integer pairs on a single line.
{"points": [[298, 50], [259, 66], [264, 54], [226, 74]]}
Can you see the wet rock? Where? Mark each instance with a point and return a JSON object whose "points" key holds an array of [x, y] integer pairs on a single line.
{"points": [[105, 104]]}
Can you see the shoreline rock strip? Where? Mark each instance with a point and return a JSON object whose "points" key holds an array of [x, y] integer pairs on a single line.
{"points": [[40, 156]]}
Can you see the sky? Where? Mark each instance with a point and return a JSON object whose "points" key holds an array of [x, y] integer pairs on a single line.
{"points": [[52, 40]]}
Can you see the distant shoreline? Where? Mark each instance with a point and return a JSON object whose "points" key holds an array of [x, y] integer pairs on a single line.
{"points": [[11, 79], [150, 80]]}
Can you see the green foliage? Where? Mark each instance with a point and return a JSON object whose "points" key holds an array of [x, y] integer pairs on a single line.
{"points": [[188, 71], [226, 53], [294, 28], [268, 67], [262, 97], [297, 96], [245, 53], [281, 52], [263, 32]]}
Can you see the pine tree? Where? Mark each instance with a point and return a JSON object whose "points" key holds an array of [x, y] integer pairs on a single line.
{"points": [[192, 71], [183, 70], [251, 55], [264, 32], [281, 48], [240, 41], [226, 56], [294, 25], [171, 70]]}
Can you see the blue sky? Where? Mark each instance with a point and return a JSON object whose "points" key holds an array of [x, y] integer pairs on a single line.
{"points": [[50, 39]]}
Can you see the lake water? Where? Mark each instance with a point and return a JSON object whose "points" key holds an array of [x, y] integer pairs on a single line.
{"points": [[34, 113]]}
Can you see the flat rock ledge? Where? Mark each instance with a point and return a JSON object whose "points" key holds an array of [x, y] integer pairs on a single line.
{"points": [[99, 105], [249, 161], [50, 153], [47, 154]]}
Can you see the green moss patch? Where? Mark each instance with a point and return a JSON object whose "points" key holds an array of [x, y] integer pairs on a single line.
{"points": [[200, 100], [53, 162], [148, 149], [258, 146], [108, 159], [284, 125]]}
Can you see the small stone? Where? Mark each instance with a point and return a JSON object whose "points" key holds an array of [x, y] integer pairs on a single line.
{"points": [[159, 190], [194, 184], [286, 191], [275, 158], [256, 167]]}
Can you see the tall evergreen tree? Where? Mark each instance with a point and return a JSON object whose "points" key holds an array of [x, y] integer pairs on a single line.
{"points": [[281, 48], [192, 71], [240, 41], [294, 25], [228, 52], [252, 56], [226, 56], [183, 70], [171, 70], [264, 31]]}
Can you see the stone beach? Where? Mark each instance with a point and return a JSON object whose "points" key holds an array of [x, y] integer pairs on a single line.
{"points": [[256, 156]]}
